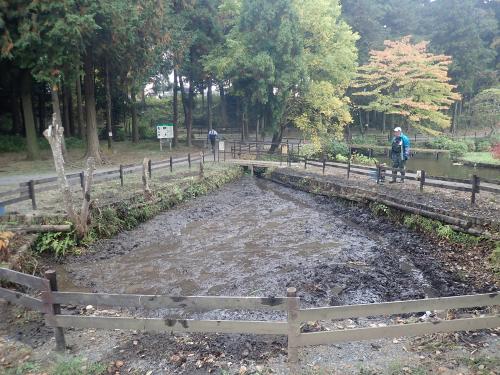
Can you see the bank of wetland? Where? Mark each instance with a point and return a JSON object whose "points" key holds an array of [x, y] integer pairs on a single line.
{"points": [[254, 237]]}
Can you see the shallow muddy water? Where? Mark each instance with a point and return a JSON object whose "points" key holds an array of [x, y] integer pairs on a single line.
{"points": [[255, 237]]}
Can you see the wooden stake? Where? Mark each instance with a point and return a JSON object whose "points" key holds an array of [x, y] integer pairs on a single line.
{"points": [[56, 309]]}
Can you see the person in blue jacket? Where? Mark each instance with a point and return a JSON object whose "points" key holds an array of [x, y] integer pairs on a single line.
{"points": [[400, 152]]}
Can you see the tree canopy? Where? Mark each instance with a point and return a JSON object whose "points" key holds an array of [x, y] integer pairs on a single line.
{"points": [[406, 80]]}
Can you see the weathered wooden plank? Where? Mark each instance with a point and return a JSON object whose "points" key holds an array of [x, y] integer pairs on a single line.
{"points": [[45, 180], [449, 187], [11, 192], [194, 303], [336, 165], [170, 325], [15, 200], [21, 299], [315, 164], [490, 181], [399, 307], [21, 278], [179, 160], [415, 329], [490, 189], [364, 167], [449, 179], [365, 173]]}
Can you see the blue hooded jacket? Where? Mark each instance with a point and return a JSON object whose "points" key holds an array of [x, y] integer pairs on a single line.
{"points": [[405, 144]]}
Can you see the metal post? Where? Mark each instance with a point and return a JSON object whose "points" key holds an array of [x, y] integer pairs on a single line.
{"points": [[56, 309], [121, 174]]}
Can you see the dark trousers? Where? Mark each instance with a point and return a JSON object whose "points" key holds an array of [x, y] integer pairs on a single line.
{"points": [[397, 163], [212, 141]]}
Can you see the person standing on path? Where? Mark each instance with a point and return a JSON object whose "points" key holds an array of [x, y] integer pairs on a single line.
{"points": [[212, 136], [400, 151]]}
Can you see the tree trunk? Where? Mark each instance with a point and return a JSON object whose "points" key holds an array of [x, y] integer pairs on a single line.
{"points": [[383, 122], [66, 110], [29, 121], [361, 126], [108, 105], [238, 117], [41, 114], [257, 129], [133, 110], [209, 104], [454, 119], [17, 118], [80, 122], [176, 111], [89, 93], [183, 99], [277, 137], [189, 120], [70, 112], [143, 98], [223, 110]]}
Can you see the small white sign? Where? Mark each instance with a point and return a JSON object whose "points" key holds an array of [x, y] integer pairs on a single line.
{"points": [[165, 131], [221, 145]]}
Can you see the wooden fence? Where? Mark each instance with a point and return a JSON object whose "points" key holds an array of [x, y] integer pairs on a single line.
{"points": [[289, 152], [27, 190], [51, 299], [474, 186]]}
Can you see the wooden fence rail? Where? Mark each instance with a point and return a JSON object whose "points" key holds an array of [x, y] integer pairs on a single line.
{"points": [[52, 299], [27, 190], [472, 186]]}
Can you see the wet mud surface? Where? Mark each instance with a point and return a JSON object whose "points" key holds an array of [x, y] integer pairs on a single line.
{"points": [[252, 238], [255, 237]]}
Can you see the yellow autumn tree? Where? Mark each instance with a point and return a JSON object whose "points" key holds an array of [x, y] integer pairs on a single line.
{"points": [[406, 80]]}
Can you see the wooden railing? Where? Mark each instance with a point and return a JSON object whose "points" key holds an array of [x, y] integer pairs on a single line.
{"points": [[472, 186], [51, 299], [27, 190]]}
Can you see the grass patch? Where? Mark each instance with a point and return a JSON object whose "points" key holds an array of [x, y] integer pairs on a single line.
{"points": [[77, 366], [480, 157], [481, 365]]}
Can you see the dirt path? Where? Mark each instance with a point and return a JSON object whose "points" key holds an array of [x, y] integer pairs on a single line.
{"points": [[255, 237]]}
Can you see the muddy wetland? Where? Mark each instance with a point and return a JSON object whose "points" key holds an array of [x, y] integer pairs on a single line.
{"points": [[256, 238]]}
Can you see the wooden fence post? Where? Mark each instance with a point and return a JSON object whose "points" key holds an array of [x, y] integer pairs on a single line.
{"points": [[31, 189], [422, 180], [82, 180], [379, 173], [293, 329], [150, 167], [121, 174], [171, 165], [203, 156], [55, 309], [305, 162], [324, 165], [281, 155], [475, 189], [189, 160], [348, 167]]}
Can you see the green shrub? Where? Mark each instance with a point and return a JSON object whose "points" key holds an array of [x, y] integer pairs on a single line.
{"points": [[310, 151], [72, 142], [483, 146], [55, 243], [335, 148], [341, 158], [119, 135], [457, 149], [471, 145], [12, 143], [362, 159], [147, 132]]}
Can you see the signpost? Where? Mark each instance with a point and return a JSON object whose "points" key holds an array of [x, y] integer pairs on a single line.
{"points": [[165, 131]]}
